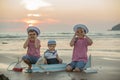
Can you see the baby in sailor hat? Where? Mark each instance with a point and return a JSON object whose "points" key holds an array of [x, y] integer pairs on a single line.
{"points": [[51, 55]]}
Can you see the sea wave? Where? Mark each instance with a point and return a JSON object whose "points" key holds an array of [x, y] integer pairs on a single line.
{"points": [[61, 35]]}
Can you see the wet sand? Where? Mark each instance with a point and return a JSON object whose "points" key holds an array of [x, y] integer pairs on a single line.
{"points": [[108, 69]]}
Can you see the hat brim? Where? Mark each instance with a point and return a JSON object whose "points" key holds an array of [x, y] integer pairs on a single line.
{"points": [[34, 28], [80, 26], [51, 42]]}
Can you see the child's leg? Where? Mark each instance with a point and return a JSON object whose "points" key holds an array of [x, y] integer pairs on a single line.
{"points": [[77, 70], [29, 70], [68, 68], [60, 60], [26, 59], [28, 63], [71, 66], [79, 66]]}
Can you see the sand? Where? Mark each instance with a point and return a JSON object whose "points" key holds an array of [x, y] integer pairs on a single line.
{"points": [[108, 68]]}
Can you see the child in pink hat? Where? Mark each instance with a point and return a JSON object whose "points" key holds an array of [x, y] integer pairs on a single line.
{"points": [[80, 43], [32, 44]]}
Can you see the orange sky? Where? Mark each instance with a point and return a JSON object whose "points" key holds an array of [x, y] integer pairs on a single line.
{"points": [[58, 15]]}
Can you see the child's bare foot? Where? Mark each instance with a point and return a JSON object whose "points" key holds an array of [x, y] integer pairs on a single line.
{"points": [[77, 70], [68, 68]]}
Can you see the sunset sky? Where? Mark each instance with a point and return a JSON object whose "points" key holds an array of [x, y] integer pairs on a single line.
{"points": [[58, 15]]}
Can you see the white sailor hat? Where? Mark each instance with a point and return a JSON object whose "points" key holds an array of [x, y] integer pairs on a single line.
{"points": [[81, 26], [51, 42], [37, 30]]}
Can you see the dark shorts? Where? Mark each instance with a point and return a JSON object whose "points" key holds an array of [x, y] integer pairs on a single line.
{"points": [[32, 59], [77, 64], [52, 61]]}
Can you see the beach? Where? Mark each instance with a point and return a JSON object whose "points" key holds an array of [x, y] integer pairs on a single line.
{"points": [[105, 53]]}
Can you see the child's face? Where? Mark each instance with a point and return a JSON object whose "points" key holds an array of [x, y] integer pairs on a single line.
{"points": [[51, 46], [80, 32], [32, 34]]}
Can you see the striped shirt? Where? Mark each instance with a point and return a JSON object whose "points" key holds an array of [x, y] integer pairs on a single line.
{"points": [[50, 55]]}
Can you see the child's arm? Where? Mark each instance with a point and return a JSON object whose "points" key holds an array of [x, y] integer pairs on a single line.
{"points": [[37, 43], [72, 41], [90, 42], [26, 44], [59, 59], [45, 61]]}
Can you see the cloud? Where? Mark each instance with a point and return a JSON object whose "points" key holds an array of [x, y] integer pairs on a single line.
{"points": [[32, 21], [50, 20], [34, 4], [15, 20], [38, 22], [34, 15]]}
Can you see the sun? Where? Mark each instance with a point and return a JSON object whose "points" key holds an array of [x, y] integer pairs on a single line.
{"points": [[34, 4], [31, 22]]}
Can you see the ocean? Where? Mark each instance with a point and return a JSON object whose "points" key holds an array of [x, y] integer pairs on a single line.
{"points": [[104, 44], [107, 42]]}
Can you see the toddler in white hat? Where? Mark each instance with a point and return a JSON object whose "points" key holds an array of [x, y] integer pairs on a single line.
{"points": [[51, 55]]}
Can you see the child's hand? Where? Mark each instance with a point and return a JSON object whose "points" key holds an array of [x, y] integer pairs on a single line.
{"points": [[35, 37], [60, 60], [80, 32], [76, 33], [45, 62], [29, 36], [83, 33]]}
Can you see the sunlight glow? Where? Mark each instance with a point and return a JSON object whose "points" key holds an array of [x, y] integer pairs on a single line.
{"points": [[34, 4], [31, 22], [35, 15]]}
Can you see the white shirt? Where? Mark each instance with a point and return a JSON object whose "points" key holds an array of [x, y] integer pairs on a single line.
{"points": [[50, 55]]}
